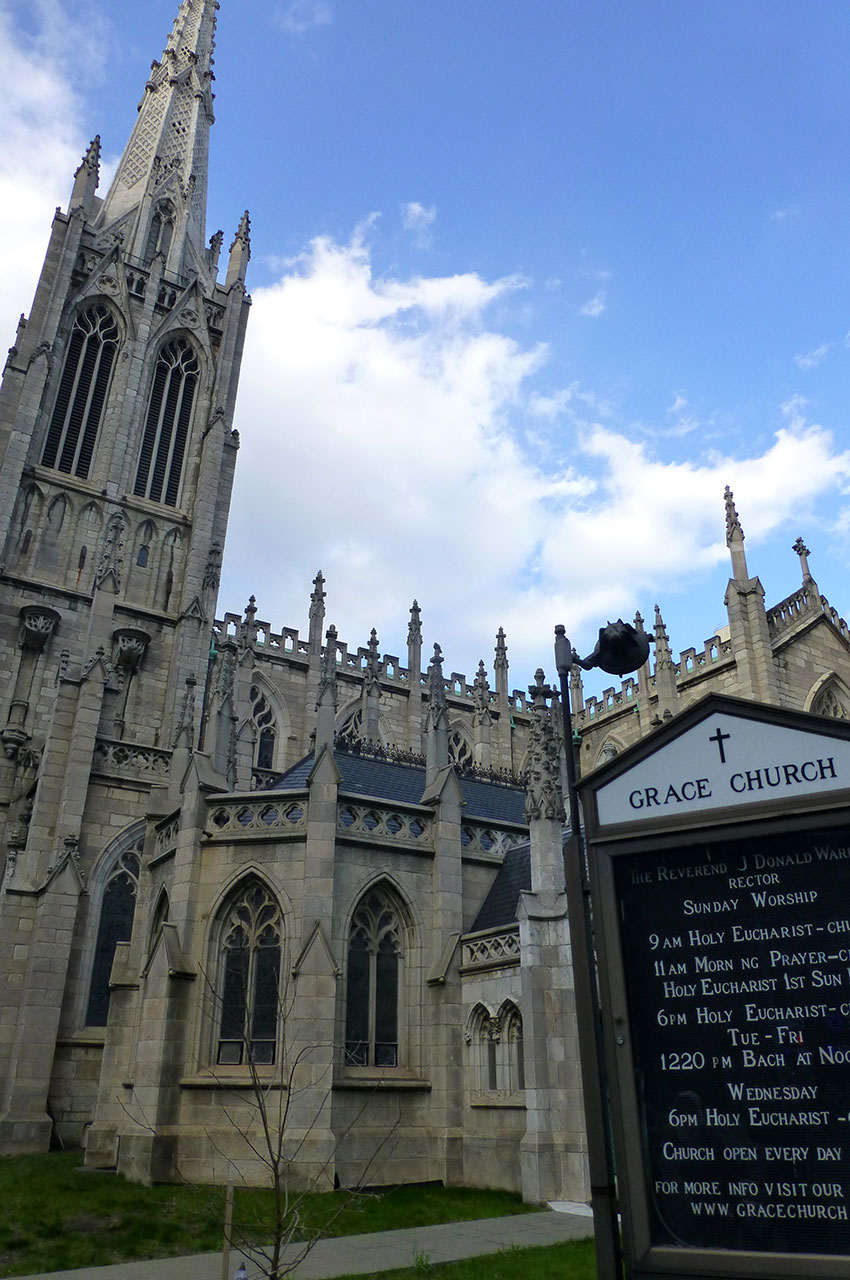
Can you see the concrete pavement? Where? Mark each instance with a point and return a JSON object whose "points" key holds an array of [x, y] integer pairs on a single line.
{"points": [[369, 1255]]}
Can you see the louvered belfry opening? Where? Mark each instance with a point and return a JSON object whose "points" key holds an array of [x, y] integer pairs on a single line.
{"points": [[167, 426], [82, 392]]}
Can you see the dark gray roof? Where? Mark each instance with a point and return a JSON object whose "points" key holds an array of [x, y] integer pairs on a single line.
{"points": [[499, 908], [404, 783]]}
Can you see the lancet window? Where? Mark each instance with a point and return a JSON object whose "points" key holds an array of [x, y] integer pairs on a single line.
{"points": [[118, 907], [82, 392], [169, 418], [250, 949], [373, 994], [496, 1051], [263, 718]]}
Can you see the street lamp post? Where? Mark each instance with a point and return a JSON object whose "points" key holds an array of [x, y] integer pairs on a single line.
{"points": [[620, 649]]}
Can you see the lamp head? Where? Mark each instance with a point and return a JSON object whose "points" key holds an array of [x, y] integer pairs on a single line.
{"points": [[619, 649]]}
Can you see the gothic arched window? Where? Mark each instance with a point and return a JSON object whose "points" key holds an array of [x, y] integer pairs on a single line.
{"points": [[482, 1046], [82, 392], [175, 382], [510, 1061], [829, 703], [372, 1010], [249, 978], [263, 718], [117, 910]]}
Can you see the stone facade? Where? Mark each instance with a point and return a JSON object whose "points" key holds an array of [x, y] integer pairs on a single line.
{"points": [[232, 853]]}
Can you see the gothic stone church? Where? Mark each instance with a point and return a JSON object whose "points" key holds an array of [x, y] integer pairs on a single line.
{"points": [[227, 849]]}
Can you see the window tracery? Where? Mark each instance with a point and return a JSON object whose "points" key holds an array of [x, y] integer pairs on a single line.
{"points": [[250, 949], [373, 993], [117, 910], [497, 1061], [829, 703], [352, 730], [264, 722], [81, 397], [460, 752], [167, 424]]}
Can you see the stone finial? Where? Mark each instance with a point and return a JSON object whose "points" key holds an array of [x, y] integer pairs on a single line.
{"points": [[414, 629], [733, 524], [500, 666], [87, 177], [327, 698], [373, 662], [317, 612], [91, 158], [436, 683], [501, 650], [638, 621], [248, 632], [803, 552], [481, 697], [184, 733], [544, 797], [735, 539], [328, 685], [240, 253], [318, 595], [663, 652]]}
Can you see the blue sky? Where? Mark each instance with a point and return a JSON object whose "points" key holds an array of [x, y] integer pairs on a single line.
{"points": [[531, 284]]}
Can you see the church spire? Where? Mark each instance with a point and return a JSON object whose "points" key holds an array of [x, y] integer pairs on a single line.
{"points": [[165, 162]]}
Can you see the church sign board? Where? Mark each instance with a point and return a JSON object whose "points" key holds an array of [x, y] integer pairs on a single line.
{"points": [[719, 858]]}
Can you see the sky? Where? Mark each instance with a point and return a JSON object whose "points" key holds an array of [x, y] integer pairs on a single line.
{"points": [[532, 283]]}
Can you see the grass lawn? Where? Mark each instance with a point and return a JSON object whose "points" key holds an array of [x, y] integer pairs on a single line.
{"points": [[574, 1260], [56, 1216]]}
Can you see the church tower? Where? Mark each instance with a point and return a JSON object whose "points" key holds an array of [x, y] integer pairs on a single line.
{"points": [[117, 457]]}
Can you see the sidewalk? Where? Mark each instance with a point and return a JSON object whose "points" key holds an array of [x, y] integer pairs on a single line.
{"points": [[370, 1254]]}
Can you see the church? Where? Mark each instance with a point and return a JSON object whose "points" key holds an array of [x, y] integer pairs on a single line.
{"points": [[241, 863]]}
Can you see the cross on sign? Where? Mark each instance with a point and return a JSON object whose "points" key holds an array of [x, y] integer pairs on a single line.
{"points": [[720, 738]]}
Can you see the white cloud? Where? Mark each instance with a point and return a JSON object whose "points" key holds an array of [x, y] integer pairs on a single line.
{"points": [[811, 359], [382, 442], [40, 147], [594, 306], [679, 403], [419, 220], [301, 15]]}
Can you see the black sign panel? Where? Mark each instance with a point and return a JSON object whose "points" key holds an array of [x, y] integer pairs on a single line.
{"points": [[737, 967]]}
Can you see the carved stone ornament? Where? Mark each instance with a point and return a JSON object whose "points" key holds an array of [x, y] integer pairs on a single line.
{"points": [[544, 797], [130, 646], [212, 573], [112, 556], [37, 626], [13, 738], [190, 318]]}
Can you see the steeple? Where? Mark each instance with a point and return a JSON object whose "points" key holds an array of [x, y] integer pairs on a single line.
{"points": [[164, 166]]}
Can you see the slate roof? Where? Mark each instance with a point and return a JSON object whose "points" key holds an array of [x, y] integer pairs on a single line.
{"points": [[404, 783], [499, 908]]}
